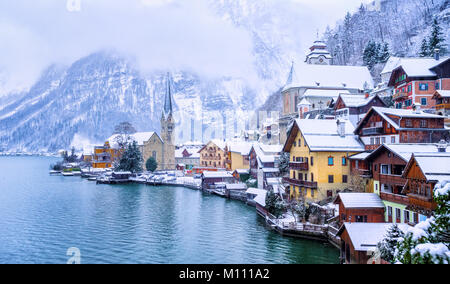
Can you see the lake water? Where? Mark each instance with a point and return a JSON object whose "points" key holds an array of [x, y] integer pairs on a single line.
{"points": [[42, 216]]}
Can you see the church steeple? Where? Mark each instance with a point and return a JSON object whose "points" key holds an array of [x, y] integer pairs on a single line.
{"points": [[168, 109], [291, 75]]}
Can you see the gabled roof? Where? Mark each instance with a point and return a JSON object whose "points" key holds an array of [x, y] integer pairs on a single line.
{"points": [[392, 63], [360, 200], [405, 151], [357, 100], [435, 167], [139, 137], [323, 136], [330, 76], [402, 113], [219, 143], [366, 236], [417, 67], [243, 148], [219, 174], [442, 94], [324, 93]]}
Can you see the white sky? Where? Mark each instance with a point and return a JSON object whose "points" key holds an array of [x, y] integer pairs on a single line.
{"points": [[176, 34]]}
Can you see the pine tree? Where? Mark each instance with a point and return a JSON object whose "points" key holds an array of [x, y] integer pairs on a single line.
{"points": [[425, 48], [384, 53], [131, 160], [151, 164], [274, 204], [429, 241], [284, 163], [436, 39], [388, 245], [370, 54]]}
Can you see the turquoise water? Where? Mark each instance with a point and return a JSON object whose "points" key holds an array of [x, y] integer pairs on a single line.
{"points": [[42, 216]]}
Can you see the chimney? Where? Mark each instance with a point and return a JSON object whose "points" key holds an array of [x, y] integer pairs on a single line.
{"points": [[416, 108], [442, 146], [437, 54], [341, 128]]}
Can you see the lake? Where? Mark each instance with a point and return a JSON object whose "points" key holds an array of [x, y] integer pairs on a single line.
{"points": [[42, 216]]}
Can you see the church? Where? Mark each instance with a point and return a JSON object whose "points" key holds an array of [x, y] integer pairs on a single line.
{"points": [[161, 147], [316, 83]]}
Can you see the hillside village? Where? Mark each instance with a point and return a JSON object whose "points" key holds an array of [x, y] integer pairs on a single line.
{"points": [[345, 160]]}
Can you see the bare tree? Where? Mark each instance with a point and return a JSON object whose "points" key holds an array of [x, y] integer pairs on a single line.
{"points": [[124, 132]]}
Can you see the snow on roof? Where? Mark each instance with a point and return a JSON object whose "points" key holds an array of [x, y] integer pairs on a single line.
{"points": [[304, 102], [360, 156], [240, 147], [420, 67], [331, 76], [356, 100], [361, 200], [321, 93], [444, 93], [242, 171], [405, 151], [219, 174], [384, 112], [271, 170], [392, 63], [271, 149], [322, 135], [193, 151], [139, 137], [436, 167], [236, 186], [219, 143], [256, 191], [366, 236], [274, 181]]}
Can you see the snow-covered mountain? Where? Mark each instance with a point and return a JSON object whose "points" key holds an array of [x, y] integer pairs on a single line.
{"points": [[81, 103]]}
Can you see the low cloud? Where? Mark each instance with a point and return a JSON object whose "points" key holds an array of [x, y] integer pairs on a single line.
{"points": [[160, 34]]}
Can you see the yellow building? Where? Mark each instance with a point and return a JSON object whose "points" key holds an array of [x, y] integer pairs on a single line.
{"points": [[105, 156], [319, 151], [213, 155], [238, 155]]}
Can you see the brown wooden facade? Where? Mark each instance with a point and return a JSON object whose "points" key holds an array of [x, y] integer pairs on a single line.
{"points": [[359, 215]]}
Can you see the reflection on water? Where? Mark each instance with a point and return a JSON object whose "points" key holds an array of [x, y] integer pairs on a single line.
{"points": [[41, 216]]}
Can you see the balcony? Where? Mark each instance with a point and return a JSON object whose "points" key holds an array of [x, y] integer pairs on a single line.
{"points": [[307, 184], [365, 173], [402, 199], [299, 166], [442, 106], [373, 130], [400, 95], [392, 180], [423, 202]]}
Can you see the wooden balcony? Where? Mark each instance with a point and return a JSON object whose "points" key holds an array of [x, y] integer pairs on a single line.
{"points": [[373, 130], [299, 166], [392, 180], [442, 106], [364, 173], [401, 199], [400, 95], [423, 202], [301, 183]]}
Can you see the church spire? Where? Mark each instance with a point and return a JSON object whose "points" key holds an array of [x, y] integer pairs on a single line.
{"points": [[291, 75], [168, 98]]}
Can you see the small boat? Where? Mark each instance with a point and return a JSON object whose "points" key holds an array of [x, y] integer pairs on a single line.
{"points": [[92, 179], [67, 174], [55, 173], [76, 173]]}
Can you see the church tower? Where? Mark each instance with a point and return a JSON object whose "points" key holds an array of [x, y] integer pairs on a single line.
{"points": [[168, 129], [319, 54]]}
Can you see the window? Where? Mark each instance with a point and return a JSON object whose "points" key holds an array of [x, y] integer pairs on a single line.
{"points": [[295, 144], [372, 141], [344, 179], [378, 141], [437, 86], [312, 177], [408, 123], [344, 161], [384, 169], [312, 161], [383, 140], [330, 179], [299, 142], [312, 193], [393, 139], [398, 214], [389, 211], [423, 101], [409, 88], [306, 177], [330, 161], [406, 216], [423, 87], [423, 124]]}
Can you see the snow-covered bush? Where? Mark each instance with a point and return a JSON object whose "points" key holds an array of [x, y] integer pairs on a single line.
{"points": [[388, 245], [429, 242]]}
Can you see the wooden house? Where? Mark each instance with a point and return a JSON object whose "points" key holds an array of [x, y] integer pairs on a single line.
{"points": [[354, 107], [393, 126], [360, 208]]}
